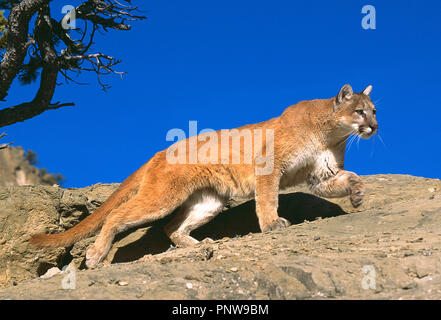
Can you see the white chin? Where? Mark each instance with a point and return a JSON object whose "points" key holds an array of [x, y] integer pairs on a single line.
{"points": [[365, 135]]}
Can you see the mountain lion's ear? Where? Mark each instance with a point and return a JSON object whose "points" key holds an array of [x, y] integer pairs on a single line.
{"points": [[345, 93], [368, 90]]}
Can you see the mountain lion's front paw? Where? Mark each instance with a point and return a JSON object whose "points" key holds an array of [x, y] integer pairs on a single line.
{"points": [[357, 191], [278, 224]]}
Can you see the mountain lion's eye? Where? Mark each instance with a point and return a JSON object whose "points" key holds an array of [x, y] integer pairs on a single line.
{"points": [[360, 112], [374, 111]]}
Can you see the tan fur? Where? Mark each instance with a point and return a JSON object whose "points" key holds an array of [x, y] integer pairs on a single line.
{"points": [[309, 144]]}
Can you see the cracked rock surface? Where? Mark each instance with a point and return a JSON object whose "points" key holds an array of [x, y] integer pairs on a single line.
{"points": [[389, 248]]}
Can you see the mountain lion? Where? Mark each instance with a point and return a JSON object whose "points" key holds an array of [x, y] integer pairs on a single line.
{"points": [[305, 144]]}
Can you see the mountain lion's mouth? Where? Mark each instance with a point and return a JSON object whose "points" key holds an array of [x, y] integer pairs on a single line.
{"points": [[365, 132]]}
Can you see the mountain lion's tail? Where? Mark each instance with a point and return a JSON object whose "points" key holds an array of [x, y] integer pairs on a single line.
{"points": [[93, 222]]}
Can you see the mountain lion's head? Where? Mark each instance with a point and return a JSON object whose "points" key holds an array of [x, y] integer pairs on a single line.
{"points": [[355, 112]]}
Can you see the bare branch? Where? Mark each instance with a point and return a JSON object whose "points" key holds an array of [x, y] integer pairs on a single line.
{"points": [[100, 63], [102, 15], [5, 145], [108, 14], [26, 111], [67, 78]]}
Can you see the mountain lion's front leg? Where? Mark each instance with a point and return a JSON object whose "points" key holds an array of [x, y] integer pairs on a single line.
{"points": [[344, 183], [267, 202]]}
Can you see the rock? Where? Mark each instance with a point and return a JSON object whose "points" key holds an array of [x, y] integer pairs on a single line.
{"points": [[27, 210], [410, 285], [16, 170], [50, 273], [386, 250]]}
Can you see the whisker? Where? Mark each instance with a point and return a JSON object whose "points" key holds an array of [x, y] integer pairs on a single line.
{"points": [[372, 147], [353, 137], [348, 134], [344, 141], [346, 137], [381, 139], [348, 142], [353, 140]]}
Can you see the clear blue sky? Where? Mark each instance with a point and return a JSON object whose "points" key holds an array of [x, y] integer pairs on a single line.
{"points": [[229, 63]]}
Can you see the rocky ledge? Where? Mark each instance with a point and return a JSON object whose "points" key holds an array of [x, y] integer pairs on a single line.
{"points": [[389, 248]]}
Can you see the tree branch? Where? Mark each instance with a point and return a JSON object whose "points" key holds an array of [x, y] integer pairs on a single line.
{"points": [[43, 37], [102, 14], [108, 13], [48, 79], [102, 64], [5, 145], [16, 41], [26, 111]]}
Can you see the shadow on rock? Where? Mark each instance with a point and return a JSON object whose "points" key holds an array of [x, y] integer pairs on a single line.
{"points": [[237, 221]]}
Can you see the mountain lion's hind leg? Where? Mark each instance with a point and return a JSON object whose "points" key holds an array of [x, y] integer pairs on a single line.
{"points": [[133, 213], [344, 183], [200, 208]]}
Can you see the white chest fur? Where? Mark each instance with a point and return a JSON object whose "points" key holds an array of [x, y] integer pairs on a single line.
{"points": [[297, 168], [317, 165]]}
